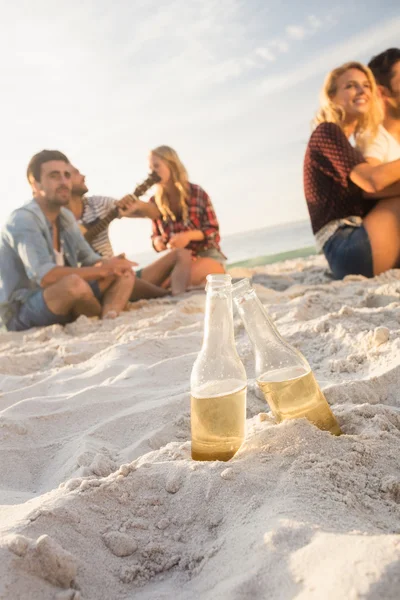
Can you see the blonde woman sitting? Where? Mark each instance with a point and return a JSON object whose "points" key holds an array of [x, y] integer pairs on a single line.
{"points": [[354, 207], [182, 216]]}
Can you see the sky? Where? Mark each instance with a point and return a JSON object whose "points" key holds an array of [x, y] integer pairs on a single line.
{"points": [[231, 85]]}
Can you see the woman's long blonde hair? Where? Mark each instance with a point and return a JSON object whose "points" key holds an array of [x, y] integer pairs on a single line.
{"points": [[367, 126], [179, 178]]}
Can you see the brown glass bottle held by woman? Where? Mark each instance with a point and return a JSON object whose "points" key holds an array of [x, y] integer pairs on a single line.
{"points": [[354, 207], [282, 373]]}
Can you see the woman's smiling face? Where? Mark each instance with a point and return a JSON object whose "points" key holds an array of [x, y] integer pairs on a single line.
{"points": [[353, 93]]}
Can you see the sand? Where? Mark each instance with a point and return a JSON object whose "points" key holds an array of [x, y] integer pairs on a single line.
{"points": [[99, 498]]}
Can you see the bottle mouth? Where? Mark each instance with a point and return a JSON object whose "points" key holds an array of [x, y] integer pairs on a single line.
{"points": [[218, 281], [240, 288]]}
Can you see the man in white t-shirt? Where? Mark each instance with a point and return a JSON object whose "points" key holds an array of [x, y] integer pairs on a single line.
{"points": [[386, 69]]}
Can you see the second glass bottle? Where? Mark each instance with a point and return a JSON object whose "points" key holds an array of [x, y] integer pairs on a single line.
{"points": [[283, 374]]}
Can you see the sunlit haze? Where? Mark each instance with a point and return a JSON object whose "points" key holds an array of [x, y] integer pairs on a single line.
{"points": [[231, 85]]}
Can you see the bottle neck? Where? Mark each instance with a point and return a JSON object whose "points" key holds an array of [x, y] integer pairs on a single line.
{"points": [[271, 351], [258, 325], [218, 322]]}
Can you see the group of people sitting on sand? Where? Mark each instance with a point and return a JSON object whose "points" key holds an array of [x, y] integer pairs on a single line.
{"points": [[51, 274], [57, 262]]}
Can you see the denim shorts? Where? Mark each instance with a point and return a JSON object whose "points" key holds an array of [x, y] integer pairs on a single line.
{"points": [[213, 253], [34, 312], [349, 252]]}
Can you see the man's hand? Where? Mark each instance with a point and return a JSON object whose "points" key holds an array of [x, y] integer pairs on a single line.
{"points": [[159, 244], [117, 265], [179, 240], [128, 206]]}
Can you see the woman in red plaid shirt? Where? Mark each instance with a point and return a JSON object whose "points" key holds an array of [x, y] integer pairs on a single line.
{"points": [[183, 216]]}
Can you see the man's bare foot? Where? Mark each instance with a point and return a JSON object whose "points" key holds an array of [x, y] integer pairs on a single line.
{"points": [[111, 314]]}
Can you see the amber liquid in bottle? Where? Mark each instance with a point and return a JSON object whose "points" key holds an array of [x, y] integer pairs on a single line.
{"points": [[218, 425], [293, 393]]}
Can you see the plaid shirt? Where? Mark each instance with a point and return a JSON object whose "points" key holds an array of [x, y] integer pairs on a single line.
{"points": [[201, 216]]}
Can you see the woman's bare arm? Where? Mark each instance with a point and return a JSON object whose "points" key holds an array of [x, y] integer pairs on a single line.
{"points": [[392, 191], [373, 179]]}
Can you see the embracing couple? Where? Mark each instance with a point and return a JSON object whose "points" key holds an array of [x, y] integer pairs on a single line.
{"points": [[353, 190]]}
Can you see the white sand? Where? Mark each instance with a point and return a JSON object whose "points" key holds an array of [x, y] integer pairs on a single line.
{"points": [[100, 499]]}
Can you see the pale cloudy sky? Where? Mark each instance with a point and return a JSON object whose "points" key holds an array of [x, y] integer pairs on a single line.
{"points": [[232, 85]]}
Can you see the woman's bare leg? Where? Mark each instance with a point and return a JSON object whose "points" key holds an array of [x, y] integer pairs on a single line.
{"points": [[204, 266], [176, 264], [383, 227]]}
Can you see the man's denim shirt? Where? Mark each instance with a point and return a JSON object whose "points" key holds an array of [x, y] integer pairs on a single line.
{"points": [[26, 253]]}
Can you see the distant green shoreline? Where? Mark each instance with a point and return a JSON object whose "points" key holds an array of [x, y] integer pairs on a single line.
{"points": [[273, 258]]}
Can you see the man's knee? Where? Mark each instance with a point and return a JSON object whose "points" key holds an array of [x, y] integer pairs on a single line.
{"points": [[75, 287], [128, 278]]}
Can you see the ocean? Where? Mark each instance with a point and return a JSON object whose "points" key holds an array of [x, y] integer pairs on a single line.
{"points": [[259, 243]]}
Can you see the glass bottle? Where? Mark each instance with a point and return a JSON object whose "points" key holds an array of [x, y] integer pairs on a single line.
{"points": [[282, 372], [218, 381]]}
